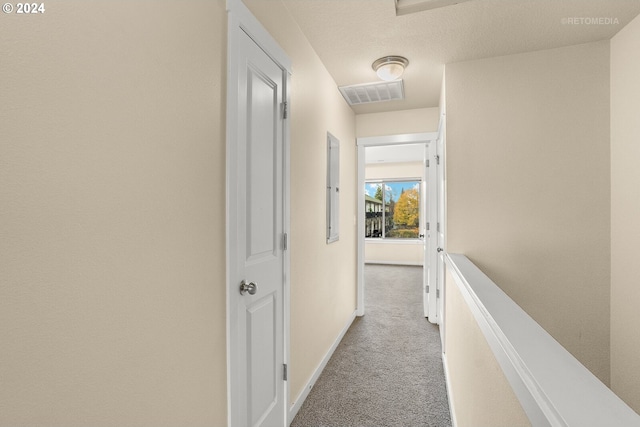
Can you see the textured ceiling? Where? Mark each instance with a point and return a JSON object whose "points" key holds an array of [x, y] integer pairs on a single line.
{"points": [[349, 35]]}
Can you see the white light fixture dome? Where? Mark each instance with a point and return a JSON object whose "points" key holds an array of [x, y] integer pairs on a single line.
{"points": [[390, 67]]}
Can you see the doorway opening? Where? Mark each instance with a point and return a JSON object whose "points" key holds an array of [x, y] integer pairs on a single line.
{"points": [[397, 205]]}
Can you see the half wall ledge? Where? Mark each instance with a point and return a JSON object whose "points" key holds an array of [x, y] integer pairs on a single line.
{"points": [[553, 387]]}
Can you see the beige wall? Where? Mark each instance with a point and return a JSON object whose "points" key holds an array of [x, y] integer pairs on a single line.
{"points": [[528, 186], [386, 251], [112, 304], [479, 392], [112, 285], [397, 122], [323, 277], [393, 170], [625, 214]]}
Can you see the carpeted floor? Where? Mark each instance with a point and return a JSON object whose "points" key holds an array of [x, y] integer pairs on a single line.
{"points": [[387, 371]]}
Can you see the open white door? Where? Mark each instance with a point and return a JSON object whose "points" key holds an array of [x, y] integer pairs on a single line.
{"points": [[431, 242], [256, 227], [424, 230], [441, 219]]}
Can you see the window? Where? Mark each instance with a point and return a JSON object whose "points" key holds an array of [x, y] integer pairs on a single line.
{"points": [[333, 187], [392, 209]]}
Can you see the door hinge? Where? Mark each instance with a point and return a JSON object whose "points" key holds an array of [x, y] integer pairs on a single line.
{"points": [[285, 110], [285, 242], [437, 293], [427, 165], [426, 289], [284, 371], [437, 159], [428, 225], [438, 227]]}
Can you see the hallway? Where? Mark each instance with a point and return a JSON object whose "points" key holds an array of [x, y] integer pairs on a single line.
{"points": [[387, 371]]}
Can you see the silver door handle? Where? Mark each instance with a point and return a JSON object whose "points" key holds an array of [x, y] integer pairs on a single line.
{"points": [[251, 288], [439, 249]]}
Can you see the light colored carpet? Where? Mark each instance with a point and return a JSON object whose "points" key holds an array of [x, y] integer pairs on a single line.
{"points": [[387, 371]]}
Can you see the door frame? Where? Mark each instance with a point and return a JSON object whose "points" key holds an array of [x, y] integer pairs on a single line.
{"points": [[239, 18], [362, 144], [441, 217]]}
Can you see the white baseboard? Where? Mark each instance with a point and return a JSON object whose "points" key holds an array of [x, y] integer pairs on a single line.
{"points": [[454, 423], [316, 374], [419, 264]]}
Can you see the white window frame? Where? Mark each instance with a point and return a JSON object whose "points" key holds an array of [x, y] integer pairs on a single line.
{"points": [[384, 238]]}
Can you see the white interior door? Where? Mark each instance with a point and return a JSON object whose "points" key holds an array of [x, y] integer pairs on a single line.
{"points": [[256, 242], [424, 229], [431, 242], [440, 226]]}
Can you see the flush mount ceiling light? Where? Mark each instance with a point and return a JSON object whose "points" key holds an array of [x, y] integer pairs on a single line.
{"points": [[390, 68]]}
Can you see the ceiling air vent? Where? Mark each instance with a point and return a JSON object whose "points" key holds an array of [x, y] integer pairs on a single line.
{"points": [[373, 92]]}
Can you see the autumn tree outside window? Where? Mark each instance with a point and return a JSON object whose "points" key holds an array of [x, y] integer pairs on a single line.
{"points": [[392, 209]]}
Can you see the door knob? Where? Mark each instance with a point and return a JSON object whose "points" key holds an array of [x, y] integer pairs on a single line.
{"points": [[251, 288], [439, 249]]}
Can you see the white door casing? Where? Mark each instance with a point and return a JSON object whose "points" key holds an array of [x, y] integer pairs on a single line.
{"points": [[257, 203]]}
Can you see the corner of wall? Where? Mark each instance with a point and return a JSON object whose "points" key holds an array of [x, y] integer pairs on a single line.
{"points": [[625, 214]]}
